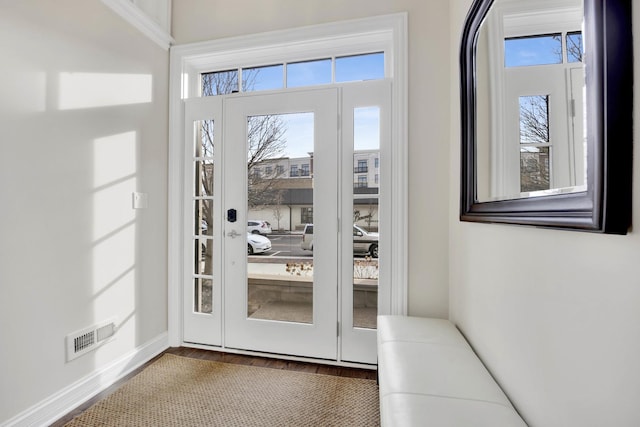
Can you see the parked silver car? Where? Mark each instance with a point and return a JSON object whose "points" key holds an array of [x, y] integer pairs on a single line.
{"points": [[364, 242]]}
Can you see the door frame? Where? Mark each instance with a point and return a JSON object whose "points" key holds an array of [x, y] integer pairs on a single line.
{"points": [[386, 34]]}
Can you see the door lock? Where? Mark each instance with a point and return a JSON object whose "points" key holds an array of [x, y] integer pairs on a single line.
{"points": [[232, 215]]}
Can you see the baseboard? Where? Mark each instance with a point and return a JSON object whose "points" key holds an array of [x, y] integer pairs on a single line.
{"points": [[57, 405]]}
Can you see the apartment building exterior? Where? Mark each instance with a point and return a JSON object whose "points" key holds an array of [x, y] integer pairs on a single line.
{"points": [[289, 203]]}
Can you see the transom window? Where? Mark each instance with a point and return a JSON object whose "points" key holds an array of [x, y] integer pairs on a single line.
{"points": [[315, 72], [543, 49]]}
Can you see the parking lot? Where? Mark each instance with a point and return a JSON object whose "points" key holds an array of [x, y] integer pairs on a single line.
{"points": [[285, 246]]}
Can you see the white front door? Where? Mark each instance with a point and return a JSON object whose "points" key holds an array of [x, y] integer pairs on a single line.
{"points": [[315, 160], [280, 153]]}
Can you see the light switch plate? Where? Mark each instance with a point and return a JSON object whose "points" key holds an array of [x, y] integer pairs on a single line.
{"points": [[140, 200]]}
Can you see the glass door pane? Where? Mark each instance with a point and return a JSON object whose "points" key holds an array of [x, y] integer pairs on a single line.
{"points": [[366, 196], [202, 245], [280, 268], [279, 217], [366, 218], [203, 202]]}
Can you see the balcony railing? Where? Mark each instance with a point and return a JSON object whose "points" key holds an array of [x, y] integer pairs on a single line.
{"points": [[361, 169]]}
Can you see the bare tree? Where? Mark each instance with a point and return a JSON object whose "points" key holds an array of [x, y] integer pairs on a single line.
{"points": [[266, 142], [534, 119], [534, 129], [277, 208], [574, 47]]}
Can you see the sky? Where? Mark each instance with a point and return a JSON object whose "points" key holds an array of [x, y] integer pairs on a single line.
{"points": [[300, 139], [299, 133], [538, 50]]}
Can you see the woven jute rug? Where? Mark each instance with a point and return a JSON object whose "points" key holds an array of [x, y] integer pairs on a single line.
{"points": [[181, 391]]}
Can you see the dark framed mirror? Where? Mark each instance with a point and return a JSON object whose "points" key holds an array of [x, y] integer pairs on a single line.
{"points": [[547, 104]]}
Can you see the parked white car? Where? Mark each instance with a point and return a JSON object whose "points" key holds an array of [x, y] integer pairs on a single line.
{"points": [[257, 244], [258, 227], [364, 242]]}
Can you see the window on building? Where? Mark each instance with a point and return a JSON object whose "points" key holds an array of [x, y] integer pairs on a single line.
{"points": [[268, 170], [279, 170], [377, 179], [362, 167], [362, 181], [294, 170], [305, 170], [377, 162], [306, 215]]}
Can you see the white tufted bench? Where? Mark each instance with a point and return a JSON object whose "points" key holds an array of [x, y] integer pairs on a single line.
{"points": [[430, 376]]}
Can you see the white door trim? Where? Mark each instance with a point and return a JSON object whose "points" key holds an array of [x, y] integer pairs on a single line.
{"points": [[384, 33]]}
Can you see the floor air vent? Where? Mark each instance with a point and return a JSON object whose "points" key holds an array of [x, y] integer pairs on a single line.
{"points": [[89, 339]]}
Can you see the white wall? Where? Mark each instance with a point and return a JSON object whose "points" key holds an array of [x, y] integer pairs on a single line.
{"points": [[83, 123], [554, 314], [199, 20]]}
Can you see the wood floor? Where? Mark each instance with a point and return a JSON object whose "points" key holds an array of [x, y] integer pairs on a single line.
{"points": [[227, 358]]}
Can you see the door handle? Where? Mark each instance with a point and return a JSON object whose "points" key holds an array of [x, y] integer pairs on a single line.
{"points": [[233, 234]]}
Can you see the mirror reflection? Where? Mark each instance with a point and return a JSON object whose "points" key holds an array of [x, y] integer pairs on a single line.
{"points": [[530, 114]]}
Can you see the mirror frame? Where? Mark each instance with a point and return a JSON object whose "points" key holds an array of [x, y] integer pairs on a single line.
{"points": [[606, 204]]}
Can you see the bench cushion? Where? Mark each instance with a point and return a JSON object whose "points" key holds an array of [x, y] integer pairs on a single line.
{"points": [[430, 376], [421, 410]]}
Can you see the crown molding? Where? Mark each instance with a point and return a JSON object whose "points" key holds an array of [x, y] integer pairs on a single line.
{"points": [[140, 20]]}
